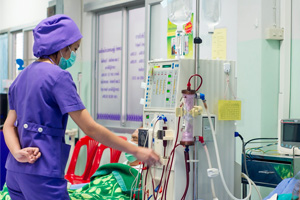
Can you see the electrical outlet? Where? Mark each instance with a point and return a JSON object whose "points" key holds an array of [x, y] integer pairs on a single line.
{"points": [[226, 68], [274, 33]]}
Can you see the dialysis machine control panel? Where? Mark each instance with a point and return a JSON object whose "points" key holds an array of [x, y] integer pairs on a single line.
{"points": [[161, 85], [165, 81]]}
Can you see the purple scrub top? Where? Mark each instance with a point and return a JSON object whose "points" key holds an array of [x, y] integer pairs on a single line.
{"points": [[42, 95]]}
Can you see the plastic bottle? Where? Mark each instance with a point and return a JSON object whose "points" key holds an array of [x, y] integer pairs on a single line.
{"points": [[211, 10], [179, 12]]}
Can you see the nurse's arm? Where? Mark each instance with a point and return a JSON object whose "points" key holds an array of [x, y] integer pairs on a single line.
{"points": [[101, 134], [29, 154]]}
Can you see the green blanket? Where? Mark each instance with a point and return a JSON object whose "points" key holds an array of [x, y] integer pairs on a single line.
{"points": [[111, 181], [4, 193]]}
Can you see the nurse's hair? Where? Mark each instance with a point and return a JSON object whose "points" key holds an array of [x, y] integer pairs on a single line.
{"points": [[53, 55]]}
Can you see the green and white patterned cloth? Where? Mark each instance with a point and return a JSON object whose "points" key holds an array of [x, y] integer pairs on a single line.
{"points": [[4, 193], [105, 187], [110, 182]]}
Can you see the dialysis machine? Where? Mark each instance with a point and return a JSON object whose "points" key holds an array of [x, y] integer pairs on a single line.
{"points": [[165, 80], [168, 121]]}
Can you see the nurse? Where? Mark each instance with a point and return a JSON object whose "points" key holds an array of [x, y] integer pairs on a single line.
{"points": [[41, 98]]}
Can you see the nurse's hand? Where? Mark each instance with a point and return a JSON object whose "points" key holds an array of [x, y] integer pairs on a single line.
{"points": [[147, 156], [29, 154]]}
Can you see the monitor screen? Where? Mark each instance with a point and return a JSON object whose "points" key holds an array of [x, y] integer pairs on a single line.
{"points": [[291, 132]]}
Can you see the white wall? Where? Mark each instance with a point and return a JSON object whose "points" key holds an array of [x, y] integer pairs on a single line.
{"points": [[15, 13], [229, 20], [295, 69], [258, 73]]}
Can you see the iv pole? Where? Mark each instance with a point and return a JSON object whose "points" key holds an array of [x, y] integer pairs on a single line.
{"points": [[197, 42]]}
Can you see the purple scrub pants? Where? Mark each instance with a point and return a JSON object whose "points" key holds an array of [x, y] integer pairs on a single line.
{"points": [[34, 187]]}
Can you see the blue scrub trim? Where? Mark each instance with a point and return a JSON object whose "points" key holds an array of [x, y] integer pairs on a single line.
{"points": [[72, 108], [10, 98], [60, 132]]}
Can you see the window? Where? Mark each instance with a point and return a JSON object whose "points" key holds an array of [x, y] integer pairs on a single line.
{"points": [[3, 59], [22, 44], [17, 51], [135, 64], [120, 67], [110, 67], [28, 53]]}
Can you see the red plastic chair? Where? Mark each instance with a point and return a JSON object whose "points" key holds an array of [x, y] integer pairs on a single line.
{"points": [[114, 156], [92, 146]]}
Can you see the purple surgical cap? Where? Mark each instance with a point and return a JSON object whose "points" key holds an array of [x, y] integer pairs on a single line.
{"points": [[53, 34]]}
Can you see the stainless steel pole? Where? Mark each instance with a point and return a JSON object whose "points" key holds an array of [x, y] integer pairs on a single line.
{"points": [[197, 42], [195, 170]]}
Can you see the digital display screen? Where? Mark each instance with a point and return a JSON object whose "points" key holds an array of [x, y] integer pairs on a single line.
{"points": [[291, 132], [166, 66]]}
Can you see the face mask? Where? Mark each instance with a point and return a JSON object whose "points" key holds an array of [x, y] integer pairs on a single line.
{"points": [[129, 156], [64, 63]]}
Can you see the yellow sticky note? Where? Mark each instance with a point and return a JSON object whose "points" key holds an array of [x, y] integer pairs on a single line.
{"points": [[219, 44], [229, 110]]}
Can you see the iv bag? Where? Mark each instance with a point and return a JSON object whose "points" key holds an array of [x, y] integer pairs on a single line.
{"points": [[211, 10], [179, 11]]}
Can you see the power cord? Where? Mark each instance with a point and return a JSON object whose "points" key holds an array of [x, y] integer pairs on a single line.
{"points": [[243, 151], [259, 139]]}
